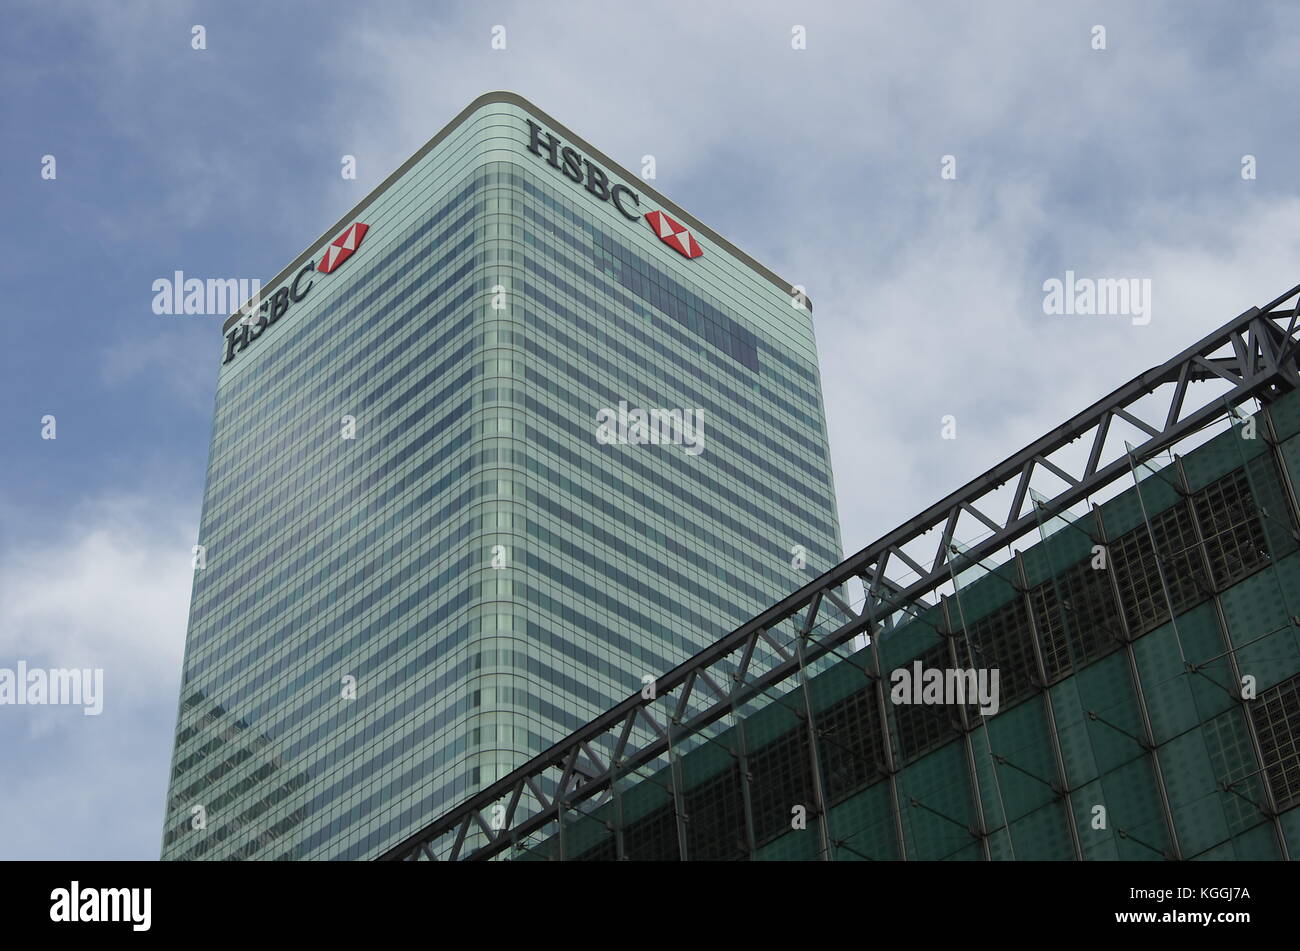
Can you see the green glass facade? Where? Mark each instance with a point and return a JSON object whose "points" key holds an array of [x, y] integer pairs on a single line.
{"points": [[420, 566], [1149, 658]]}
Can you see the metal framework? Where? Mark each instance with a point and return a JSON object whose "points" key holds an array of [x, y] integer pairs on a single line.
{"points": [[1254, 356]]}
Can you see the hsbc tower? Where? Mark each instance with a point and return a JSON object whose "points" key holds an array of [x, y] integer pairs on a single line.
{"points": [[512, 438]]}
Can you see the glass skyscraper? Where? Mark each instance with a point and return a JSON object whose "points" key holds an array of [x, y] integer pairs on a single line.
{"points": [[514, 435]]}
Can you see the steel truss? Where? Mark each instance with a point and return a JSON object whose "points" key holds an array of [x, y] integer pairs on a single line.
{"points": [[1254, 356]]}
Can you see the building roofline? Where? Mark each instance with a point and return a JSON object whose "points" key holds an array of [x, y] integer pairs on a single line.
{"points": [[505, 96]]}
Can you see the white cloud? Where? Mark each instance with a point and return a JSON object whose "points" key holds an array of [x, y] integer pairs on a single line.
{"points": [[959, 329], [106, 587], [111, 588]]}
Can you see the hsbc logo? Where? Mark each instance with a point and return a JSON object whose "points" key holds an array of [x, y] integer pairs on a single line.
{"points": [[342, 247], [586, 172], [674, 234], [254, 323]]}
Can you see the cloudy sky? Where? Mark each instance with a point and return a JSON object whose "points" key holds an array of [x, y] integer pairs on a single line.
{"points": [[824, 163]]}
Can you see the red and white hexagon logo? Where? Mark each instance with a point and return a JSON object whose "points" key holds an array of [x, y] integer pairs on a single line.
{"points": [[674, 234], [342, 247]]}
